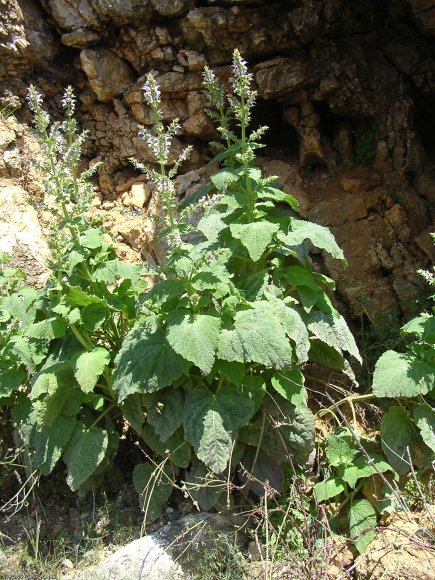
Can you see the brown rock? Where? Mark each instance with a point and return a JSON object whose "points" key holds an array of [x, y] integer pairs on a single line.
{"points": [[80, 38], [108, 75], [397, 553]]}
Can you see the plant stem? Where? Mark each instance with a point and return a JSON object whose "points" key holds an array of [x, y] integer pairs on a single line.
{"points": [[350, 400]]}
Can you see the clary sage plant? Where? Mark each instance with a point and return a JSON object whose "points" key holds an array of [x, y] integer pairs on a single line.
{"points": [[206, 368]]}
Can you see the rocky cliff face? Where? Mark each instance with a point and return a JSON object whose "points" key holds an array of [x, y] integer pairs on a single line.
{"points": [[347, 89]]}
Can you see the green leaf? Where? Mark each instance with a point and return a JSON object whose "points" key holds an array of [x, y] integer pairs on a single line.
{"points": [[326, 355], [92, 239], [50, 441], [234, 372], [396, 439], [133, 411], [284, 432], [93, 316], [334, 332], [10, 380], [47, 329], [361, 468], [154, 488], [257, 336], [290, 385], [253, 388], [166, 412], [328, 489], [269, 192], [423, 326], [88, 366], [319, 236], [338, 451], [95, 480], [362, 521], [23, 351], [203, 486], [81, 298], [255, 236], [293, 325], [211, 225], [424, 417], [179, 450], [225, 177], [211, 422], [194, 337], [84, 453], [164, 291], [402, 375], [146, 363]]}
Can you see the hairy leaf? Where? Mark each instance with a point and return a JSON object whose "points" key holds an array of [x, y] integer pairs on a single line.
{"points": [[397, 439], [319, 236], [10, 380], [328, 489], [88, 366], [50, 441], [154, 488], [402, 375], [424, 417], [175, 447], [290, 385], [211, 421], [293, 325], [47, 329], [334, 332], [362, 521], [133, 411], [166, 412], [146, 363], [361, 468], [84, 453], [194, 337], [257, 336], [255, 236], [203, 486]]}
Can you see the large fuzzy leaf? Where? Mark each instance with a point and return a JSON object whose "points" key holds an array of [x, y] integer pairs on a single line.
{"points": [[402, 375], [203, 486], [166, 412], [362, 521], [255, 236], [290, 385], [10, 380], [211, 421], [361, 468], [284, 432], [397, 439], [293, 325], [154, 488], [47, 329], [333, 331], [88, 366], [50, 441], [328, 489], [146, 363], [84, 453], [194, 337], [424, 417], [175, 447], [257, 336], [319, 236]]}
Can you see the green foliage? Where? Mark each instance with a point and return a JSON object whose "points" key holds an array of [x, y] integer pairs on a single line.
{"points": [[408, 430], [348, 465], [206, 366]]}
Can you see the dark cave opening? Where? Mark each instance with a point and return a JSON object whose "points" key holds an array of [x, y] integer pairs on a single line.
{"points": [[353, 139], [424, 119], [281, 137]]}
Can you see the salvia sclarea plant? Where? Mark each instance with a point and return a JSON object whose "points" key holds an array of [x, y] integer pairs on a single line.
{"points": [[206, 367]]}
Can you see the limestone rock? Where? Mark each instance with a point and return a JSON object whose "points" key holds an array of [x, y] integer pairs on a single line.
{"points": [[279, 77], [80, 38], [25, 37], [108, 75], [397, 553], [21, 234], [172, 7]]}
